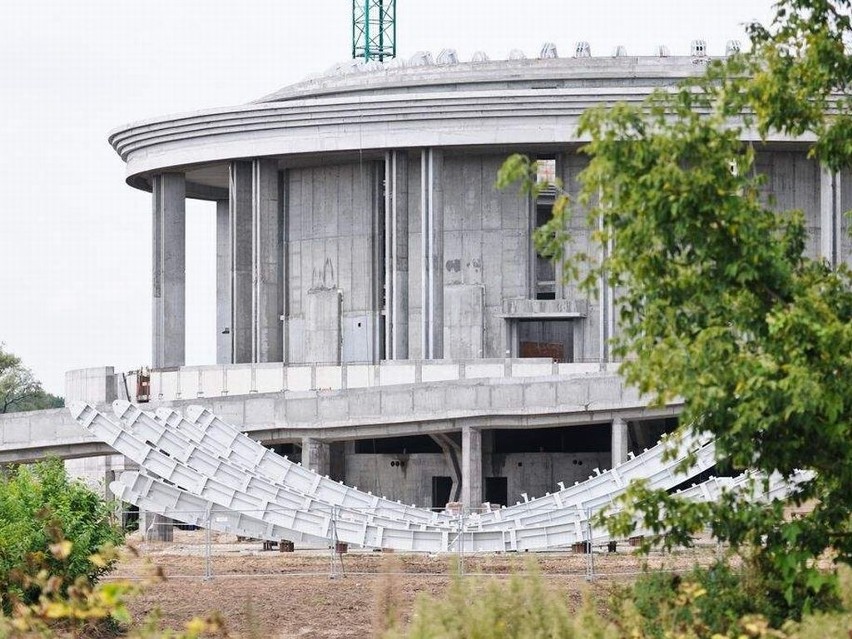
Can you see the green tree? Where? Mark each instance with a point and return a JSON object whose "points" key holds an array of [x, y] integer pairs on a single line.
{"points": [[720, 306], [19, 389]]}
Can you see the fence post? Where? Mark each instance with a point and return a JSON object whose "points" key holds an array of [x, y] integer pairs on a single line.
{"points": [[461, 541], [208, 566], [336, 568], [590, 561]]}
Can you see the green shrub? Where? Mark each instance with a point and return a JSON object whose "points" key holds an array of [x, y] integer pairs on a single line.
{"points": [[729, 596], [52, 523], [522, 607]]}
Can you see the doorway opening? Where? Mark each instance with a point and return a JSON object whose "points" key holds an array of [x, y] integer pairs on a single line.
{"points": [[441, 488], [497, 490]]}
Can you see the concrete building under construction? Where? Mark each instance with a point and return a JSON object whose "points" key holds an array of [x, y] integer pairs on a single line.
{"points": [[381, 311]]}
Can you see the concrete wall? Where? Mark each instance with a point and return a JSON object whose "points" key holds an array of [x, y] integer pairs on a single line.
{"points": [[331, 242], [793, 182], [94, 385], [539, 473], [411, 481], [486, 245]]}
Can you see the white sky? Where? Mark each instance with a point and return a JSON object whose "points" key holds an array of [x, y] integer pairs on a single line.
{"points": [[75, 253]]}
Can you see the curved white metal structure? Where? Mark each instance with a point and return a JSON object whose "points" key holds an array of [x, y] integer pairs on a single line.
{"points": [[203, 471]]}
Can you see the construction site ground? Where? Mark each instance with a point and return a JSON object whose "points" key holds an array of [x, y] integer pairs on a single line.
{"points": [[313, 593]]}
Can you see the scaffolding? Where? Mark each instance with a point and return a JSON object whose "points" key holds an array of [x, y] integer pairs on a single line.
{"points": [[373, 30]]}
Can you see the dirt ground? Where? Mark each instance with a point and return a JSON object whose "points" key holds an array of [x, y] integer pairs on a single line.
{"points": [[282, 595]]}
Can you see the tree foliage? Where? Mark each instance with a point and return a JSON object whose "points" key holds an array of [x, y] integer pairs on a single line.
{"points": [[720, 306], [49, 521], [19, 389]]}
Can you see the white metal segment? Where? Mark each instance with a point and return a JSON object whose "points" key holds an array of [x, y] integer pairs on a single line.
{"points": [[207, 466], [295, 475], [154, 495]]}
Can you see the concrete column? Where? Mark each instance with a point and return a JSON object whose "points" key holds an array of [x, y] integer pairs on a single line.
{"points": [[831, 217], [378, 261], [224, 349], [619, 441], [240, 215], [267, 263], [607, 308], [396, 255], [156, 527], [471, 467], [316, 455], [432, 227], [169, 270], [284, 204]]}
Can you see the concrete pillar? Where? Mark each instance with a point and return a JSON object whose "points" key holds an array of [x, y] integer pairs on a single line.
{"points": [[257, 262], [284, 205], [831, 217], [607, 308], [224, 350], [432, 227], [169, 270], [396, 255], [240, 217], [316, 455], [619, 441], [471, 467], [156, 527], [267, 263]]}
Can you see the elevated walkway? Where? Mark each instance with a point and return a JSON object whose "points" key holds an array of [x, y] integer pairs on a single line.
{"points": [[359, 401]]}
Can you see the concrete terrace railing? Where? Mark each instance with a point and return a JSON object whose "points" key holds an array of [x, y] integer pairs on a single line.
{"points": [[190, 382]]}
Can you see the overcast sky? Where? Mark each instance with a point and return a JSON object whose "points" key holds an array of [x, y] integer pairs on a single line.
{"points": [[75, 240]]}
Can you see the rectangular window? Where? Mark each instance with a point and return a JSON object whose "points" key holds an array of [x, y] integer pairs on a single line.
{"points": [[543, 270], [546, 338]]}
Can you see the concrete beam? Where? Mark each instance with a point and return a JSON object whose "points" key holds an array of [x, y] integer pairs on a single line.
{"points": [[169, 271], [240, 216], [471, 468], [619, 441], [224, 348]]}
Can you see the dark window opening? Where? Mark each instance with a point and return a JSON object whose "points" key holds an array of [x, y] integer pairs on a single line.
{"points": [[497, 490], [594, 438], [441, 489], [646, 433], [544, 270], [286, 450], [546, 338], [397, 446]]}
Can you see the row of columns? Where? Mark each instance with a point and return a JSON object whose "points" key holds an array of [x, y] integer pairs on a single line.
{"points": [[316, 456], [251, 281]]}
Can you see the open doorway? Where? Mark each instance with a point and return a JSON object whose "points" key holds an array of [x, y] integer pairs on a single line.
{"points": [[441, 489], [497, 490]]}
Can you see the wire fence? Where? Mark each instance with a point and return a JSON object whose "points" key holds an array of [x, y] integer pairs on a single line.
{"points": [[212, 544]]}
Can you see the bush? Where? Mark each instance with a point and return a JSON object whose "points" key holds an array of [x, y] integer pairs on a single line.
{"points": [[727, 596], [522, 607], [49, 522]]}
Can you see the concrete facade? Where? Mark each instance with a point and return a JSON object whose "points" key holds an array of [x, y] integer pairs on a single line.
{"points": [[373, 284]]}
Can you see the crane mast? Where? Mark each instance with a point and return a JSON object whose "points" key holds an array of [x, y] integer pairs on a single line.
{"points": [[373, 29]]}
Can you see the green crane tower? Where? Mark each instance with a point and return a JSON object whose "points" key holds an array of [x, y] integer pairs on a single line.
{"points": [[374, 29]]}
